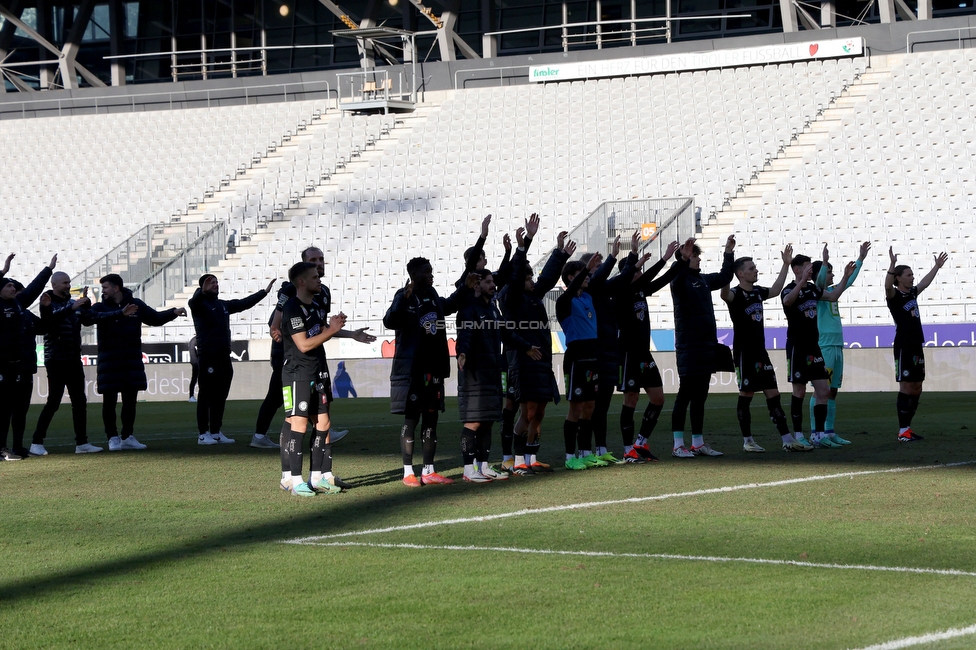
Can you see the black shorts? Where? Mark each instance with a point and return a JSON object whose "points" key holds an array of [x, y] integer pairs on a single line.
{"points": [[909, 364], [581, 380], [805, 364], [754, 371], [426, 394], [638, 371], [510, 375], [306, 397]]}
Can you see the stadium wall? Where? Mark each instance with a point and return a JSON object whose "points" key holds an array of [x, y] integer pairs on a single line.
{"points": [[950, 369], [440, 76]]}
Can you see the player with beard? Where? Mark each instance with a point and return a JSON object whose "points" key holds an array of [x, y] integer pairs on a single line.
{"points": [[804, 360], [421, 363], [532, 379], [754, 370], [307, 391], [901, 293], [638, 370], [211, 322]]}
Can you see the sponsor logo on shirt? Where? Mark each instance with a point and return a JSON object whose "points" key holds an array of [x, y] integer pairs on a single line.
{"points": [[296, 323], [429, 322]]}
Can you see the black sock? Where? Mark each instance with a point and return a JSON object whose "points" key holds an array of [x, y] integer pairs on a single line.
{"points": [[744, 413], [627, 424], [649, 421], [508, 431], [819, 416], [796, 413], [905, 412], [483, 450], [519, 441], [570, 430], [584, 435], [285, 436], [429, 436], [912, 406], [777, 415], [469, 444], [406, 440], [318, 450], [295, 453]]}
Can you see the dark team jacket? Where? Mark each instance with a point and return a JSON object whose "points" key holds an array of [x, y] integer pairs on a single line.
{"points": [[630, 302], [528, 309], [120, 364], [62, 327], [13, 321], [695, 337], [421, 339], [211, 320], [603, 292], [480, 335]]}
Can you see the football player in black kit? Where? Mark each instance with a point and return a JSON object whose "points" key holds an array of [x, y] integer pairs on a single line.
{"points": [[307, 388], [421, 363], [901, 293], [638, 370], [753, 369], [211, 321], [804, 360]]}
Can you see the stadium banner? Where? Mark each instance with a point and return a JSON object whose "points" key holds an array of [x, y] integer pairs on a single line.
{"points": [[945, 335], [779, 53]]}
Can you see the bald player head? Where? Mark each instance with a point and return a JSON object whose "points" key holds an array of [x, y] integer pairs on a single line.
{"points": [[61, 284]]}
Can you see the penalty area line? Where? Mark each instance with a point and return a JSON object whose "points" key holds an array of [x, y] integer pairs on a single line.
{"points": [[932, 637], [601, 504], [652, 556]]}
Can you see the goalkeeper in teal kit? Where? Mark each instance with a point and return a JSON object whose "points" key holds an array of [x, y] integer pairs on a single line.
{"points": [[832, 338]]}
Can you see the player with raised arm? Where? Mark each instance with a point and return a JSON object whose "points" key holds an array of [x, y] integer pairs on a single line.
{"points": [[804, 360], [901, 294], [577, 317], [534, 384], [307, 389], [832, 337], [754, 370], [421, 363], [638, 370], [696, 344]]}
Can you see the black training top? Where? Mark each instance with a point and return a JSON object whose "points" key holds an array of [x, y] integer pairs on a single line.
{"points": [[746, 310], [323, 300], [308, 321], [908, 325], [801, 316]]}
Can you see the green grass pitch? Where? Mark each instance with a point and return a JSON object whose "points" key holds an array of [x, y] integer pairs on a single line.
{"points": [[180, 546]]}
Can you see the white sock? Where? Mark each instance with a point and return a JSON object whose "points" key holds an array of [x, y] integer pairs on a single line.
{"points": [[797, 434], [315, 478], [748, 440], [679, 439], [483, 466], [520, 460], [787, 438], [697, 441], [407, 471], [285, 476], [428, 469], [600, 451], [328, 475], [584, 453], [641, 440], [903, 430], [628, 449], [297, 480], [469, 469], [259, 436], [531, 460], [568, 456]]}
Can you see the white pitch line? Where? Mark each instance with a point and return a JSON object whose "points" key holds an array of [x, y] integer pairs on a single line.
{"points": [[655, 556], [925, 638], [598, 504]]}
